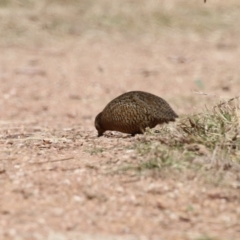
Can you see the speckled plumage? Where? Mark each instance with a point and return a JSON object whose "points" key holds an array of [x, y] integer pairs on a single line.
{"points": [[132, 112]]}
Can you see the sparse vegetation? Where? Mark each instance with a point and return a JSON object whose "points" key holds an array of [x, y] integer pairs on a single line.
{"points": [[213, 135], [58, 18]]}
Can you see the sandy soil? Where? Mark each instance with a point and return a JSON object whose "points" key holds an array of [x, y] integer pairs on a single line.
{"points": [[59, 181]]}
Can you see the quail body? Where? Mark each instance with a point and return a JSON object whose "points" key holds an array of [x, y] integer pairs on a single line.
{"points": [[133, 112]]}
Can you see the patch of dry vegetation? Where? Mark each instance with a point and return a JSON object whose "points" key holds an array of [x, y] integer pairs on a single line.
{"points": [[210, 139], [37, 21]]}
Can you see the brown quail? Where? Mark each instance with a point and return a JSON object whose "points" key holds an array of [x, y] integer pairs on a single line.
{"points": [[132, 112]]}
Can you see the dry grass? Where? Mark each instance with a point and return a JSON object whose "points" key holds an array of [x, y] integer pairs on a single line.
{"points": [[210, 139], [37, 21]]}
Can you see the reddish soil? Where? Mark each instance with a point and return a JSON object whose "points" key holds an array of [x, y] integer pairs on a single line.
{"points": [[59, 181]]}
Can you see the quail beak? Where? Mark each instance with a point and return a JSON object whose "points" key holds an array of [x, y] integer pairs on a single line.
{"points": [[100, 134]]}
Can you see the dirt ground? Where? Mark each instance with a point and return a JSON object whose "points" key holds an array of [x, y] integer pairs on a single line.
{"points": [[59, 181]]}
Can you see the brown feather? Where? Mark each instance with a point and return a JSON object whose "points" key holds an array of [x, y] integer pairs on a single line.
{"points": [[132, 112]]}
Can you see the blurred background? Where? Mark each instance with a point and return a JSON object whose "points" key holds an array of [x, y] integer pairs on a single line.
{"points": [[63, 60]]}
